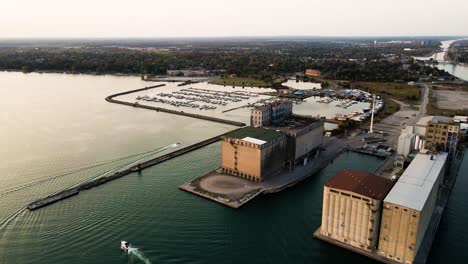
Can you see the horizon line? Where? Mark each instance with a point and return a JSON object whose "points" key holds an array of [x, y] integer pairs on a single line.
{"points": [[234, 36]]}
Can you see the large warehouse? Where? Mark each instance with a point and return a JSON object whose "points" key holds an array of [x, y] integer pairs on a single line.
{"points": [[305, 135], [352, 206], [409, 206], [253, 153]]}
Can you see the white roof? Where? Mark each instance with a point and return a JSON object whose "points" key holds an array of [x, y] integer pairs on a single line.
{"points": [[254, 140], [460, 118], [414, 186]]}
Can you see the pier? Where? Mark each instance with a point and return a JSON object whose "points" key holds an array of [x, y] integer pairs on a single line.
{"points": [[240, 191], [111, 99], [64, 194]]}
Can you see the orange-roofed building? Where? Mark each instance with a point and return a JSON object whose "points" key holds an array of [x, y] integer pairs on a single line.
{"points": [[312, 73]]}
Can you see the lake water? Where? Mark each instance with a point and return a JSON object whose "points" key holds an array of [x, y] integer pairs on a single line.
{"points": [[57, 130]]}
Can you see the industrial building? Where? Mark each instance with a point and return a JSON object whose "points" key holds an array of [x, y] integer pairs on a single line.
{"points": [[442, 134], [305, 135], [409, 206], [406, 144], [276, 139], [437, 133], [274, 112], [352, 207], [253, 153]]}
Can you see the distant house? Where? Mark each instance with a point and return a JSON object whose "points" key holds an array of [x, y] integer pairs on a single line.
{"points": [[312, 73]]}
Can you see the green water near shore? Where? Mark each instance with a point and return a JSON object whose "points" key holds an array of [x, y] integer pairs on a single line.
{"points": [[76, 127]]}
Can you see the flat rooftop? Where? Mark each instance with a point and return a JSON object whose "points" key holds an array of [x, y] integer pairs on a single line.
{"points": [[437, 119], [257, 133], [294, 124], [363, 183], [414, 186], [424, 120]]}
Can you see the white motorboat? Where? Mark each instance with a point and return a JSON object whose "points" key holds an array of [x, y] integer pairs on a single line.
{"points": [[124, 245]]}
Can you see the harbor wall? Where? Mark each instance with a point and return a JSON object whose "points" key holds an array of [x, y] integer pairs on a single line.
{"points": [[111, 99], [101, 180]]}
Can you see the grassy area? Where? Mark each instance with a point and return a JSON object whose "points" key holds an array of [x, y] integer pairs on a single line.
{"points": [[399, 91], [247, 81], [390, 107]]}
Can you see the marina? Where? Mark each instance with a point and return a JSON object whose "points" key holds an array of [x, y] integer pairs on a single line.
{"points": [[159, 109]]}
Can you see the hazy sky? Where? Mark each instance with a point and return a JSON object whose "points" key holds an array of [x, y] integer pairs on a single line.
{"points": [[179, 18]]}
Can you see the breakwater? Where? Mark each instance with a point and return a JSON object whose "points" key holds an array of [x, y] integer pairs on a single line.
{"points": [[101, 180], [111, 99]]}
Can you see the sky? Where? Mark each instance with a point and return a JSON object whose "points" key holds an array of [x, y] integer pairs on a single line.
{"points": [[218, 18]]}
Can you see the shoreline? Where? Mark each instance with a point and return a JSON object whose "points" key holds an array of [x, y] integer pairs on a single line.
{"points": [[74, 73]]}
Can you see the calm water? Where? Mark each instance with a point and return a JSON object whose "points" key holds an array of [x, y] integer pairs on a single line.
{"points": [[56, 125]]}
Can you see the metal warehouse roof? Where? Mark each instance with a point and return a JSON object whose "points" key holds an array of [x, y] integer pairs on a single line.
{"points": [[362, 183], [414, 186]]}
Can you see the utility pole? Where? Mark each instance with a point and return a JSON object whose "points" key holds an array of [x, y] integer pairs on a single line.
{"points": [[372, 115]]}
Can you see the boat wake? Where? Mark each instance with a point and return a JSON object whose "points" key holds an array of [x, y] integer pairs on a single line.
{"points": [[135, 252]]}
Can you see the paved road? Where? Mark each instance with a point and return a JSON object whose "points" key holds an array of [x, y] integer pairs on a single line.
{"points": [[424, 99], [392, 126]]}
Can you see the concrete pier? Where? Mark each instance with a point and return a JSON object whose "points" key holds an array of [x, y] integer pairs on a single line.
{"points": [[372, 255], [235, 192], [64, 194]]}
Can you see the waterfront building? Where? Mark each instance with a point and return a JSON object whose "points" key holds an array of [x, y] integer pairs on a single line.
{"points": [[409, 206], [406, 144], [352, 207], [305, 136], [419, 128], [442, 134], [273, 112], [437, 133], [253, 153]]}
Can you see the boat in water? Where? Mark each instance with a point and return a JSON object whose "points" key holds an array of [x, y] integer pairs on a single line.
{"points": [[124, 245]]}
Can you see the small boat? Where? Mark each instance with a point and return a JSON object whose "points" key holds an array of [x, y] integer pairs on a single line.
{"points": [[124, 245]]}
